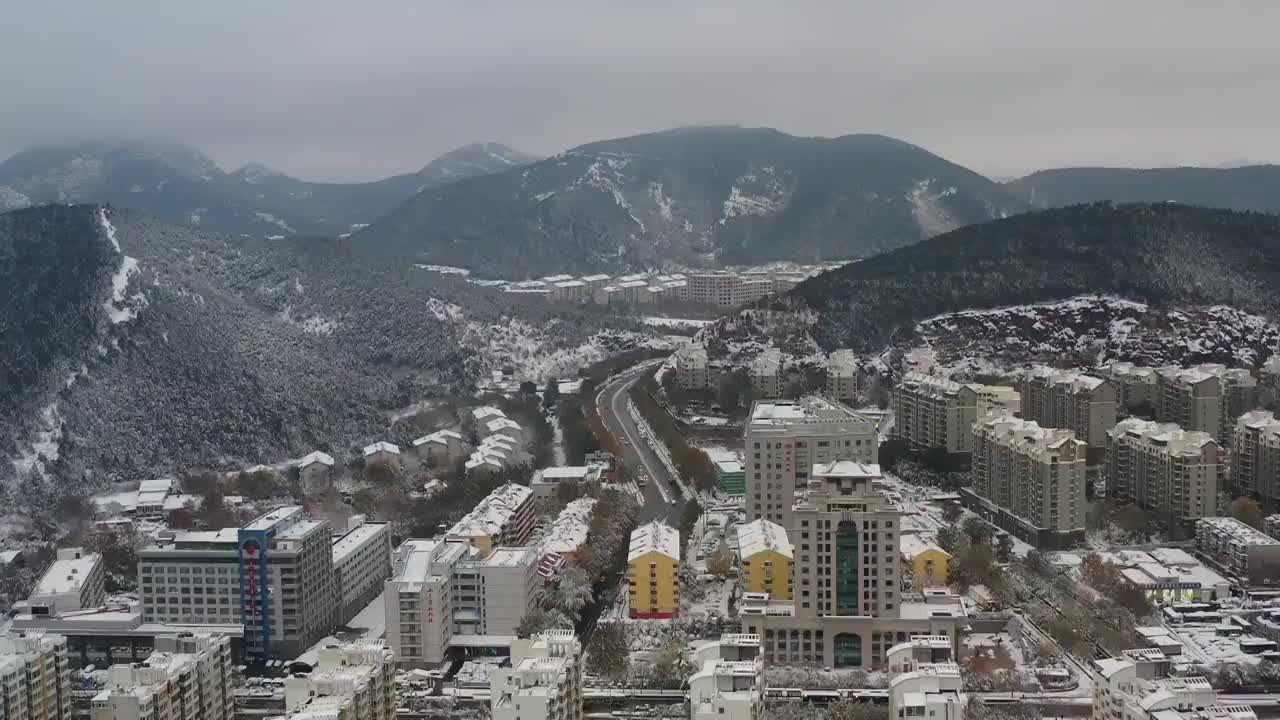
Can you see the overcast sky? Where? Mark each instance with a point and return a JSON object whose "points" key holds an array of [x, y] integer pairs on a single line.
{"points": [[330, 89]]}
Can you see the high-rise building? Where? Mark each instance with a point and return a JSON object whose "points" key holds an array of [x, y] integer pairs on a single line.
{"points": [[1255, 457], [1136, 386], [544, 681], [729, 683], [766, 373], [1030, 480], [275, 576], [1165, 470], [785, 438], [353, 681], [447, 593], [1206, 397], [933, 412], [842, 376], [848, 607], [653, 571], [361, 565], [36, 677], [1084, 404], [1240, 548], [932, 690], [691, 368], [766, 556], [188, 677]]}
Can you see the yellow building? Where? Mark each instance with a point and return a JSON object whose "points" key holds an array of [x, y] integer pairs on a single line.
{"points": [[930, 564], [653, 571], [766, 556]]}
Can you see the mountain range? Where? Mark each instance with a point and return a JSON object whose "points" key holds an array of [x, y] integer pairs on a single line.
{"points": [[1250, 187], [1163, 254], [692, 196], [134, 348], [181, 185]]}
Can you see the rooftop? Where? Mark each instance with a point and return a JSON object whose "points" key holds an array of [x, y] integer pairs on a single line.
{"points": [[654, 537], [355, 539], [274, 518], [569, 531], [761, 535], [493, 512], [381, 446], [913, 545], [66, 574], [316, 457], [811, 409], [846, 469]]}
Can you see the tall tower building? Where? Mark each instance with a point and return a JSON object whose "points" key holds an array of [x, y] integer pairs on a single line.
{"points": [[36, 677]]}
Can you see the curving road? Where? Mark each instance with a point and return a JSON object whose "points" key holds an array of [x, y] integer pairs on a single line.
{"points": [[660, 492]]}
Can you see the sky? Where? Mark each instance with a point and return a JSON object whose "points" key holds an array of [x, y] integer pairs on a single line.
{"points": [[331, 90]]}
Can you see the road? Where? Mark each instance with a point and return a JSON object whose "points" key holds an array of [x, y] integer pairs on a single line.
{"points": [[611, 403]]}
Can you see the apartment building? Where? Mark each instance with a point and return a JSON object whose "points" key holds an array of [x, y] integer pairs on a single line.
{"points": [[766, 556], [544, 681], [1000, 399], [729, 683], [1255, 458], [1206, 397], [847, 608], [842, 376], [447, 593], [785, 438], [74, 581], [1165, 470], [440, 447], [188, 677], [1029, 480], [691, 368], [316, 472], [766, 374], [1084, 404], [350, 681], [36, 677], [714, 288], [568, 533], [1137, 387], [1236, 546], [1127, 691], [505, 517], [275, 576], [653, 571], [382, 453], [361, 565], [546, 482], [933, 412]]}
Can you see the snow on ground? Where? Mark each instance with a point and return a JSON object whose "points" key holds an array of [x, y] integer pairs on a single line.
{"points": [[315, 324], [675, 322], [537, 353], [930, 215], [268, 217], [444, 269], [47, 442], [1201, 643], [443, 310]]}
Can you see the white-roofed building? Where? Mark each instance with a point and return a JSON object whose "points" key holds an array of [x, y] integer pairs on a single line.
{"points": [[1073, 401], [504, 426], [729, 683], [1125, 694], [653, 566], [544, 681], [440, 447], [151, 496], [1255, 458], [361, 565], [766, 373], [316, 472], [382, 452], [505, 517], [568, 533], [1165, 470], [1237, 546], [188, 676], [766, 556], [74, 581], [547, 481]]}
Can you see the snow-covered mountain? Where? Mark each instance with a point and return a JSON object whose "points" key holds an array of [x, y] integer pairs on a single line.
{"points": [[692, 196]]}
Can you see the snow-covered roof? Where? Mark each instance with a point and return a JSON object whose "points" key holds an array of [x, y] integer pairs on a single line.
{"points": [[846, 469], [912, 545], [67, 573], [502, 423], [441, 437], [761, 535], [595, 278], [569, 531], [161, 485], [381, 446], [486, 411], [633, 284], [655, 537], [314, 458], [493, 512]]}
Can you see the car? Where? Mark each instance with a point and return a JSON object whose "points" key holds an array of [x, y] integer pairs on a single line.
{"points": [[626, 441]]}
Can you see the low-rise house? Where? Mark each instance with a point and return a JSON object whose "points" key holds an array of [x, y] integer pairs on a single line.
{"points": [[316, 472], [930, 564], [766, 555], [382, 453]]}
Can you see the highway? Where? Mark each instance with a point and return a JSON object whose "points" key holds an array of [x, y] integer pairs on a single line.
{"points": [[611, 403]]}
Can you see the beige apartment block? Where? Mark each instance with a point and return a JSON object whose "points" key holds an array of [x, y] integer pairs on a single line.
{"points": [[1255, 458], [36, 677], [842, 376], [188, 677], [785, 438], [1084, 404], [766, 374], [544, 681], [933, 412], [1035, 476], [691, 368], [1164, 469]]}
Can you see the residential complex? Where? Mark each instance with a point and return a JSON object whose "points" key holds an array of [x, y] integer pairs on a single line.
{"points": [[785, 438], [1130, 691], [1165, 470], [35, 676], [729, 681], [1255, 458], [1236, 546], [450, 593], [188, 677], [568, 534], [692, 368], [1205, 397], [653, 571], [544, 681], [842, 377], [927, 690], [1084, 404], [505, 517], [766, 556], [848, 608], [1029, 480], [932, 412], [547, 481], [766, 373], [348, 681]]}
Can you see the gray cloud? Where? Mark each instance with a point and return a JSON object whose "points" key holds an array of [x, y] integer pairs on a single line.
{"points": [[342, 90]]}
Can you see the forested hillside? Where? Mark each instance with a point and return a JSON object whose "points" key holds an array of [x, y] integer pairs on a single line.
{"points": [[1162, 254], [1253, 187]]}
